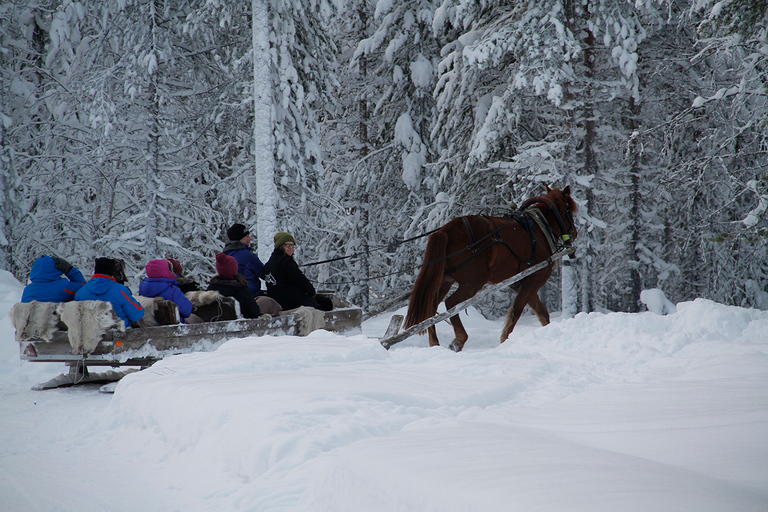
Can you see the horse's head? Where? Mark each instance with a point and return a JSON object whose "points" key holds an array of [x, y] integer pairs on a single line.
{"points": [[566, 207]]}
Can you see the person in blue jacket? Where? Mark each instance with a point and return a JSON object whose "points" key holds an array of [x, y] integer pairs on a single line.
{"points": [[103, 286], [248, 264], [161, 282], [48, 284]]}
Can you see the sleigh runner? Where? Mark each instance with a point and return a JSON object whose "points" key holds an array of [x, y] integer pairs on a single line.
{"points": [[88, 334]]}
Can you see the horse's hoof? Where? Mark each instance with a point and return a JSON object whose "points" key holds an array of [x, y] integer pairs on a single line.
{"points": [[455, 347]]}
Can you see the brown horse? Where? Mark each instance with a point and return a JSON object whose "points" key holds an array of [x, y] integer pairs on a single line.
{"points": [[475, 250]]}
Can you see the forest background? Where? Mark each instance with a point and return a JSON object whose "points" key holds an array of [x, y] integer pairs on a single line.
{"points": [[143, 128]]}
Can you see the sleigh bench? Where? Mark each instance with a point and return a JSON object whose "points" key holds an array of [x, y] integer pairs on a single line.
{"points": [[88, 333]]}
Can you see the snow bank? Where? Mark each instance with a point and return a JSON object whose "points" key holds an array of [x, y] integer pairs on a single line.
{"points": [[589, 413]]}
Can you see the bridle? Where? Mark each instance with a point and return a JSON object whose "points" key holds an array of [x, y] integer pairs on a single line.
{"points": [[566, 235]]}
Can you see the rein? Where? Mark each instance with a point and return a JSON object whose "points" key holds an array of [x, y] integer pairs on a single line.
{"points": [[389, 246], [474, 246]]}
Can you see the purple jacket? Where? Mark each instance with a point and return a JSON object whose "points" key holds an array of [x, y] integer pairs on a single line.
{"points": [[161, 282]]}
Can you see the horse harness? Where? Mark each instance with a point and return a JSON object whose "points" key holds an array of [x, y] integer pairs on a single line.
{"points": [[529, 218]]}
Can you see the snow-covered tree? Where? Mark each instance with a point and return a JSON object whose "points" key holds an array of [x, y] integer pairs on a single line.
{"points": [[381, 174]]}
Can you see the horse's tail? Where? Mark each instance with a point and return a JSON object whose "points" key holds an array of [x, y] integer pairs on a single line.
{"points": [[423, 301]]}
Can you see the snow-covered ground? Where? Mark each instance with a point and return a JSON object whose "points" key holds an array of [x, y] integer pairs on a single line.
{"points": [[601, 412]]}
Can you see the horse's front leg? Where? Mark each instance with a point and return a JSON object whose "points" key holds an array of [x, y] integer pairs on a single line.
{"points": [[460, 334], [526, 294], [539, 308]]}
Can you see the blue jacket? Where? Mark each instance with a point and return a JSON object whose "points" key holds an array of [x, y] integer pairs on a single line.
{"points": [[104, 287], [161, 282], [48, 285], [248, 265]]}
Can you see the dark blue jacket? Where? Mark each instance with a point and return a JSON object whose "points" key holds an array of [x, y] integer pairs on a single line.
{"points": [[48, 285], [104, 287], [248, 265], [161, 282]]}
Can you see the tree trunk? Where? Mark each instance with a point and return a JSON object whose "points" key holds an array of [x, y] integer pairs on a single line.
{"points": [[5, 169], [636, 283], [153, 145], [568, 289], [263, 132], [590, 161]]}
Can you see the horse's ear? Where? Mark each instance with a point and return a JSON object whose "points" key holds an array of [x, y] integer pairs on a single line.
{"points": [[548, 189], [567, 191]]}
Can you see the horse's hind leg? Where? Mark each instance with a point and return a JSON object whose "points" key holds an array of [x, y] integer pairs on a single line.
{"points": [[445, 286], [539, 308], [460, 334]]}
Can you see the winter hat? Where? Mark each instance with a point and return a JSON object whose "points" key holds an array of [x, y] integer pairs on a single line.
{"points": [[159, 268], [226, 265], [237, 232], [175, 266], [105, 266], [283, 237]]}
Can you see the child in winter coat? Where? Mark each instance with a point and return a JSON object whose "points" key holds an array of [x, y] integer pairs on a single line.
{"points": [[48, 285], [103, 286], [161, 282]]}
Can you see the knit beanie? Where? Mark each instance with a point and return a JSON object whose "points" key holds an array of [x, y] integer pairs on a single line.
{"points": [[237, 232], [283, 237], [104, 266], [226, 265]]}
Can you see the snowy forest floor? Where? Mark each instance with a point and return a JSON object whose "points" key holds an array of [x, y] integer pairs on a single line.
{"points": [[601, 412]]}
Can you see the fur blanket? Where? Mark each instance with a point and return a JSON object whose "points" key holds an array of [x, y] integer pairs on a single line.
{"points": [[203, 298], [158, 311], [211, 306], [310, 319], [35, 320], [87, 321]]}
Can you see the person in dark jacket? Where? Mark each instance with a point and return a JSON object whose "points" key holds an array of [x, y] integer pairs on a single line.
{"points": [[48, 284], [102, 286], [286, 283], [248, 264], [161, 282], [231, 284]]}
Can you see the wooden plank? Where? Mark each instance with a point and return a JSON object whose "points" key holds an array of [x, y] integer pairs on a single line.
{"points": [[386, 306], [394, 326], [429, 322]]}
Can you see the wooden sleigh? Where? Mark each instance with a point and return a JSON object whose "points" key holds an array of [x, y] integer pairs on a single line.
{"points": [[88, 333]]}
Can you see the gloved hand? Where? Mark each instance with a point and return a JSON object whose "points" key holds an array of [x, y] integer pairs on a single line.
{"points": [[63, 265]]}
